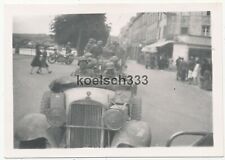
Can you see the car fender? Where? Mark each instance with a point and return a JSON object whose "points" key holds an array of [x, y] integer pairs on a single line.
{"points": [[134, 134]]}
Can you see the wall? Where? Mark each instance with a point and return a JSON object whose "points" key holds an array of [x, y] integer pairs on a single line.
{"points": [[180, 50], [26, 51]]}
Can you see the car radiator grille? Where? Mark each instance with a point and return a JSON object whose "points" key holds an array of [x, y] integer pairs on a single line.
{"points": [[85, 124]]}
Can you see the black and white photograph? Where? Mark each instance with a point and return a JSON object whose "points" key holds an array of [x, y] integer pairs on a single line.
{"points": [[137, 79]]}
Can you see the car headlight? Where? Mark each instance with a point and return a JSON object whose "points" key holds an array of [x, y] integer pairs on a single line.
{"points": [[114, 119]]}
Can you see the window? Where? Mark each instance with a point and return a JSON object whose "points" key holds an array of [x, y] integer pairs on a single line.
{"points": [[205, 30], [208, 13], [184, 30]]}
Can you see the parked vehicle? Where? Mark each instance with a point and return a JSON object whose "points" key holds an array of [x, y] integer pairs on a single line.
{"points": [[97, 115], [57, 57], [35, 131]]}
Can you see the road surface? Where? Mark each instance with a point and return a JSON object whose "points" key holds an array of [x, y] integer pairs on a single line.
{"points": [[168, 105]]}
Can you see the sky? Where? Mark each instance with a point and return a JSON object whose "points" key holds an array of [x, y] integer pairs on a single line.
{"points": [[41, 23]]}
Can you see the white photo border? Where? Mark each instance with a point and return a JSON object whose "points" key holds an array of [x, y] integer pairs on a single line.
{"points": [[52, 9]]}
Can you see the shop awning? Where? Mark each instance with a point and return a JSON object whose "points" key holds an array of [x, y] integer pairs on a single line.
{"points": [[153, 47]]}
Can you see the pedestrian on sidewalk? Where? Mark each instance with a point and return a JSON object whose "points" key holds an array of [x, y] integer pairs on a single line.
{"points": [[196, 72], [191, 66], [36, 60], [44, 63], [183, 70]]}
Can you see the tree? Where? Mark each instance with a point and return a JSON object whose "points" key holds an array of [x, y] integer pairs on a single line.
{"points": [[78, 28]]}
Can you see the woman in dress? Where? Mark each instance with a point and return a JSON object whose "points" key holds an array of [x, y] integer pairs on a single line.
{"points": [[44, 64], [196, 72], [36, 60]]}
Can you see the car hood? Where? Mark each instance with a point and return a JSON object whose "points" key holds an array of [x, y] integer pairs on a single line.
{"points": [[97, 94]]}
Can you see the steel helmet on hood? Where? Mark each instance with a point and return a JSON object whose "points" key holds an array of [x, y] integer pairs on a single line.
{"points": [[32, 126]]}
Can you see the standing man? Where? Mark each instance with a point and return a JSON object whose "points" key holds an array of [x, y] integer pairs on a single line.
{"points": [[91, 43], [119, 52], [191, 66], [68, 48]]}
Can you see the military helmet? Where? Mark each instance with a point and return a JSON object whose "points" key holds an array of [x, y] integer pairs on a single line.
{"points": [[91, 40], [82, 59], [109, 65], [32, 126], [55, 86], [114, 59], [100, 42], [88, 54]]}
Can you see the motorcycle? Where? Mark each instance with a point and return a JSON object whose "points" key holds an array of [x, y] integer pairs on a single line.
{"points": [[67, 59]]}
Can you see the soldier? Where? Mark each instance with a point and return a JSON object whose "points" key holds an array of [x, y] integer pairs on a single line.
{"points": [[110, 71], [53, 107], [119, 52], [84, 69], [82, 63], [89, 45], [115, 61], [97, 49], [68, 49]]}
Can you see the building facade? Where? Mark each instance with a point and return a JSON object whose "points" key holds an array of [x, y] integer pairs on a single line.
{"points": [[188, 32]]}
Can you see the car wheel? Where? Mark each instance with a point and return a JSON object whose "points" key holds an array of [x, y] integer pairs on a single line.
{"points": [[52, 59], [69, 60]]}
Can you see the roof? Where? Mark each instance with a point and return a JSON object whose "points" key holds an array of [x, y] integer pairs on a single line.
{"points": [[153, 47]]}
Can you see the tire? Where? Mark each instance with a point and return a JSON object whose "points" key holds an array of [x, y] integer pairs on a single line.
{"points": [[69, 60], [136, 109], [52, 59]]}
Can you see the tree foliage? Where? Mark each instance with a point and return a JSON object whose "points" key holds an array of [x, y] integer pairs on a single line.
{"points": [[78, 28]]}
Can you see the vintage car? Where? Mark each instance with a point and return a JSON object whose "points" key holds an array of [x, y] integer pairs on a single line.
{"points": [[95, 115], [35, 131]]}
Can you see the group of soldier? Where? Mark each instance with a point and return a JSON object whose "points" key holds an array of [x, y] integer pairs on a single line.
{"points": [[98, 59]]}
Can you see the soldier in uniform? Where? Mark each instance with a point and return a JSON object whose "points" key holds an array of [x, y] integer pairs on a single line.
{"points": [[68, 48], [97, 49], [84, 67], [115, 61], [109, 71], [89, 45]]}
